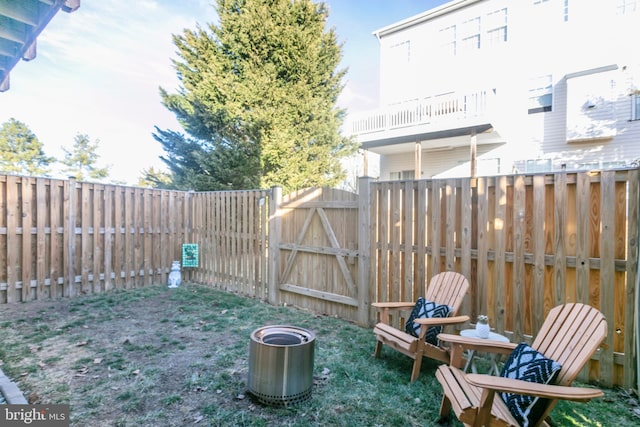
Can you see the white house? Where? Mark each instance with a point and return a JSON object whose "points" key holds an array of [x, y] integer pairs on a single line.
{"points": [[486, 87]]}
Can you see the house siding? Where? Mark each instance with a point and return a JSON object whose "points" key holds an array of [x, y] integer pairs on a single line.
{"points": [[591, 46]]}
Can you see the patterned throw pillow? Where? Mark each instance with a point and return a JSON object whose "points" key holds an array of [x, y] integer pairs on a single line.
{"points": [[525, 363], [422, 309]]}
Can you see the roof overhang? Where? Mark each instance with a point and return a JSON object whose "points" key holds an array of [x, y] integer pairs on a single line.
{"points": [[423, 17], [436, 139], [21, 22]]}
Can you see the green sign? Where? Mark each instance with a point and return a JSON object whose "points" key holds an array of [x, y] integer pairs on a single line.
{"points": [[189, 254]]}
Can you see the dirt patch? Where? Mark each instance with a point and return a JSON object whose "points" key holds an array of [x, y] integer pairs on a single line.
{"points": [[153, 357]]}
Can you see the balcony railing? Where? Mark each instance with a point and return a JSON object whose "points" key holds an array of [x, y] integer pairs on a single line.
{"points": [[447, 107]]}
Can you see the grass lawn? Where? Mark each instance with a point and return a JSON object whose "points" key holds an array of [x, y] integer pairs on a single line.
{"points": [[178, 357]]}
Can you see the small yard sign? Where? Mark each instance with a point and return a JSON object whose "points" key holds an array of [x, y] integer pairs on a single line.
{"points": [[189, 255]]}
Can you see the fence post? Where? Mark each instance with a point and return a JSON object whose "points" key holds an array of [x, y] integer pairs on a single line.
{"points": [[275, 232], [71, 233], [636, 315], [364, 250]]}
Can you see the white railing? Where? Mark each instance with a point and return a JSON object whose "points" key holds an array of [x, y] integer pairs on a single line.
{"points": [[450, 106]]}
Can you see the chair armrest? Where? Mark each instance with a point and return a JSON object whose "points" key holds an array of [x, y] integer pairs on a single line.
{"points": [[435, 321], [393, 304], [386, 307], [577, 394], [479, 344]]}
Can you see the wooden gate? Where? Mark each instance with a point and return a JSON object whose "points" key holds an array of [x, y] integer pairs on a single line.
{"points": [[318, 251]]}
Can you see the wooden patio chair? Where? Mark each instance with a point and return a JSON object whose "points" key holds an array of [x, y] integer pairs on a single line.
{"points": [[569, 336], [447, 288]]}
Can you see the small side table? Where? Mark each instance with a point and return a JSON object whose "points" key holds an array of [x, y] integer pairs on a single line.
{"points": [[493, 357]]}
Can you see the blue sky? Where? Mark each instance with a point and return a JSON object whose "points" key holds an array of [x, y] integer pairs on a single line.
{"points": [[98, 71]]}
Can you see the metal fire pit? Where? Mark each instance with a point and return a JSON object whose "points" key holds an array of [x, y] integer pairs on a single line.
{"points": [[281, 365]]}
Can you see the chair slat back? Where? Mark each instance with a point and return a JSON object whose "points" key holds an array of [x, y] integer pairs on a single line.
{"points": [[570, 335], [448, 288]]}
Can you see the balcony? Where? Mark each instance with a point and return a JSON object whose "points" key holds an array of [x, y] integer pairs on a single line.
{"points": [[439, 116]]}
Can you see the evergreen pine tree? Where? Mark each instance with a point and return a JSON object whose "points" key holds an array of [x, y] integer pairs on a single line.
{"points": [[80, 160], [258, 99], [21, 152]]}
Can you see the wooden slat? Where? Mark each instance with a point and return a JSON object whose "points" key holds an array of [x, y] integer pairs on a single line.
{"points": [[97, 212], [327, 296], [435, 238], [583, 192], [421, 242], [165, 251], [518, 291], [560, 223], [466, 239], [12, 239], [108, 237], [395, 211], [27, 255], [147, 236], [118, 238], [500, 225], [408, 223], [607, 271], [385, 290], [41, 238], [69, 237], [86, 244], [138, 234], [620, 278], [450, 224], [630, 300], [482, 213], [539, 208], [129, 230], [56, 248]]}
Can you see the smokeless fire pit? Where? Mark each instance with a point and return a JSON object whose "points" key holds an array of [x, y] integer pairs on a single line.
{"points": [[281, 365]]}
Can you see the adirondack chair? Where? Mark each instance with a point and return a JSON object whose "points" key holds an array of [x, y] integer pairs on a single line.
{"points": [[448, 288], [569, 336]]}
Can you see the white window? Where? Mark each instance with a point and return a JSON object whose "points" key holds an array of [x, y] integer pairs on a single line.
{"points": [[635, 106], [470, 35], [588, 166], [616, 164], [627, 6], [538, 165], [496, 24], [448, 40], [540, 94], [590, 104], [408, 174], [600, 165]]}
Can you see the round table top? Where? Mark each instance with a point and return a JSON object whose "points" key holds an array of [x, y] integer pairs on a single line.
{"points": [[471, 333]]}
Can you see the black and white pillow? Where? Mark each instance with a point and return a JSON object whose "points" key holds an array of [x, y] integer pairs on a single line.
{"points": [[424, 309], [525, 363]]}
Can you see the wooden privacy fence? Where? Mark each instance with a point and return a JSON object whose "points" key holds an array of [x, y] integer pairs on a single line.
{"points": [[230, 228], [66, 238], [527, 244]]}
